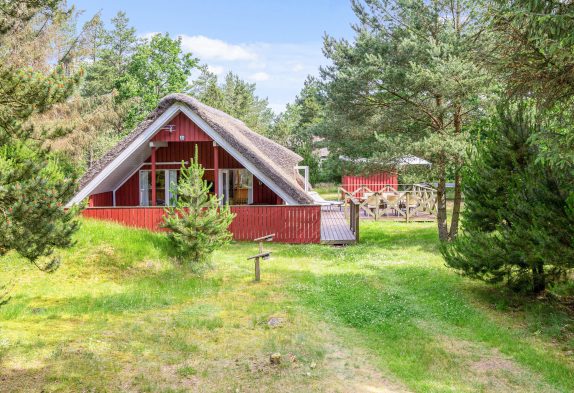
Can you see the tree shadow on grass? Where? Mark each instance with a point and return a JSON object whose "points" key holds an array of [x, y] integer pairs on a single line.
{"points": [[406, 312], [67, 369], [547, 315], [154, 291]]}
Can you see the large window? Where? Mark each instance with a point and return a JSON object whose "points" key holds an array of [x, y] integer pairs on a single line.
{"points": [[236, 186], [165, 180]]}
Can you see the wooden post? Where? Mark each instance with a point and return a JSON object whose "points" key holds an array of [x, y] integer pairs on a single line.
{"points": [[153, 185], [262, 255], [257, 267], [408, 205], [257, 270], [216, 168], [357, 221]]}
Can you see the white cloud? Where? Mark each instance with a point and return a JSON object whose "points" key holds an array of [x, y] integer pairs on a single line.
{"points": [[298, 67], [278, 69], [257, 65], [213, 49], [260, 76], [217, 70]]}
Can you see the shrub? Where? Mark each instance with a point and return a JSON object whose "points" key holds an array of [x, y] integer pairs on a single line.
{"points": [[197, 223]]}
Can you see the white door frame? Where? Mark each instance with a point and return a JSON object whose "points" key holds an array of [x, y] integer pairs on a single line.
{"points": [[167, 181], [222, 186]]}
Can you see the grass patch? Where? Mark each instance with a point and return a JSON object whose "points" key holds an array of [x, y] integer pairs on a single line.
{"points": [[329, 191], [385, 314]]}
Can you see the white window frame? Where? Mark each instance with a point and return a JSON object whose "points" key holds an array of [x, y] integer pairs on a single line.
{"points": [[168, 194], [305, 175]]}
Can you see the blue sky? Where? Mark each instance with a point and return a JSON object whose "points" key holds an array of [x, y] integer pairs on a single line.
{"points": [[273, 43]]}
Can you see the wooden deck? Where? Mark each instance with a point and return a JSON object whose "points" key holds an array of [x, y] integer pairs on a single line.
{"points": [[335, 228]]}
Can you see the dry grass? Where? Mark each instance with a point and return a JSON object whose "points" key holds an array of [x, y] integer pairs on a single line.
{"points": [[383, 316]]}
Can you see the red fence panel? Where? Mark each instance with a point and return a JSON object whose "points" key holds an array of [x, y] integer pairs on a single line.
{"points": [[352, 183], [290, 223]]}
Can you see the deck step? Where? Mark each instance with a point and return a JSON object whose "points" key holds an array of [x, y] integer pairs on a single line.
{"points": [[335, 228]]}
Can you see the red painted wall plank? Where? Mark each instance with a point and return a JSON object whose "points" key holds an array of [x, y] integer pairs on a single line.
{"points": [[182, 126], [291, 224], [184, 151], [262, 195], [103, 199]]}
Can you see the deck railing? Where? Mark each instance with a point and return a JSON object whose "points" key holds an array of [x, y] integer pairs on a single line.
{"points": [[290, 223], [404, 201], [354, 218]]}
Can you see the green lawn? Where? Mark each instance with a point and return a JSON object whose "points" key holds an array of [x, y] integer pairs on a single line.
{"points": [[328, 191], [382, 316]]}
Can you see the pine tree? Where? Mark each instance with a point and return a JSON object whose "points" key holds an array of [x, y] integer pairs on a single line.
{"points": [[197, 223], [299, 126], [409, 83], [110, 53], [33, 186], [518, 223]]}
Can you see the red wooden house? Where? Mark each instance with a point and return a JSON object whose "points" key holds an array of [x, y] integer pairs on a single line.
{"points": [[257, 177]]}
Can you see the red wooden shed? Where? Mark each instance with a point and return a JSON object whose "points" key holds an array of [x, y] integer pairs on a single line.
{"points": [[374, 181]]}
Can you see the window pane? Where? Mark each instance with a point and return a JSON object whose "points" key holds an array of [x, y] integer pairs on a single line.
{"points": [[241, 183], [146, 191], [144, 188], [171, 189], [160, 187]]}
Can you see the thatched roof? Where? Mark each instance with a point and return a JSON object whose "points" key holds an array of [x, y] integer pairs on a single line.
{"points": [[273, 160]]}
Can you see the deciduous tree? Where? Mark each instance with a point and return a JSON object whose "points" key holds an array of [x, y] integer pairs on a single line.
{"points": [[235, 97], [157, 68]]}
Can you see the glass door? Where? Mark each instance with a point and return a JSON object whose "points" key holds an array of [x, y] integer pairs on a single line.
{"points": [[171, 189], [164, 179], [224, 186], [236, 186]]}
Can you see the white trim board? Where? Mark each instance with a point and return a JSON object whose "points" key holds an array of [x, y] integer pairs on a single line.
{"points": [[142, 139], [155, 127]]}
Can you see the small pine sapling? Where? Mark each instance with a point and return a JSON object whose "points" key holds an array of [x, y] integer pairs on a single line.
{"points": [[197, 224]]}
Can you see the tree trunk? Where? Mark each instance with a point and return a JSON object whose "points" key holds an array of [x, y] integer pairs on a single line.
{"points": [[441, 208], [457, 180], [456, 206], [538, 279]]}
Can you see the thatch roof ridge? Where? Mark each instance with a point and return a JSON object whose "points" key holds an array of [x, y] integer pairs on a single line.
{"points": [[273, 160]]}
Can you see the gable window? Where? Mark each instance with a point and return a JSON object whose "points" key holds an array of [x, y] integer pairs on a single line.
{"points": [[165, 180]]}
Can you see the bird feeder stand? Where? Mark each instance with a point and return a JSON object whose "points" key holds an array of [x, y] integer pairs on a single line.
{"points": [[265, 255]]}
